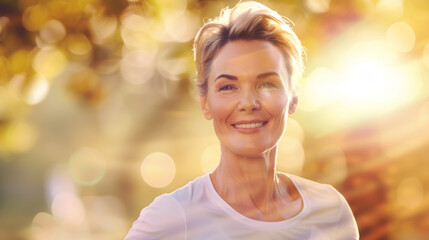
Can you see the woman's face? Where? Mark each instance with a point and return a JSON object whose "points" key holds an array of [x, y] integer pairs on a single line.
{"points": [[248, 97]]}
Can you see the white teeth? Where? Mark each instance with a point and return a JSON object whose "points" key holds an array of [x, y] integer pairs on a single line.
{"points": [[249, 125]]}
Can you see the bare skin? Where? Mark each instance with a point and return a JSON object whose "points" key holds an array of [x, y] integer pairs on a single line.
{"points": [[249, 101], [253, 188]]}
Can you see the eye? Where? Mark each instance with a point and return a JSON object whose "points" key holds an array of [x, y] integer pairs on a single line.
{"points": [[267, 85], [227, 88]]}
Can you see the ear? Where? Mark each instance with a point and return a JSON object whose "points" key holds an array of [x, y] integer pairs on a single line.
{"points": [[293, 104], [205, 108]]}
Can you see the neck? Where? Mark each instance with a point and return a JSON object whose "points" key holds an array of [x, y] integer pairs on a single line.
{"points": [[248, 182]]}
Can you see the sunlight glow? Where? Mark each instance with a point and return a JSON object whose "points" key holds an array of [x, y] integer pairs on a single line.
{"points": [[291, 155], [370, 82], [320, 89], [364, 82], [295, 130]]}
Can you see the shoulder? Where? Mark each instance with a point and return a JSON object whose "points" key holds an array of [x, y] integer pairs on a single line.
{"points": [[328, 204], [165, 217], [190, 191], [162, 219], [312, 189], [319, 194]]}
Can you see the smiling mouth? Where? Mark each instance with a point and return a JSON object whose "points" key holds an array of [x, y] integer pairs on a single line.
{"points": [[249, 125]]}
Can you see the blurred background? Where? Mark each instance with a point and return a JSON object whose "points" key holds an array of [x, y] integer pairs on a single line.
{"points": [[99, 113]]}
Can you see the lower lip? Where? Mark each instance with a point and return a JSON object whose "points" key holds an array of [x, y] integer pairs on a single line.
{"points": [[250, 130]]}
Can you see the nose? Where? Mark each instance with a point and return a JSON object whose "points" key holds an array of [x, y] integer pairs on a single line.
{"points": [[249, 101]]}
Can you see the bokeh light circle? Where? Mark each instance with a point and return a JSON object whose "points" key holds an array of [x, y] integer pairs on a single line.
{"points": [[390, 8], [210, 158], [317, 6], [102, 27], [44, 227], [294, 129], [173, 68], [178, 25], [87, 166], [68, 208], [401, 37], [158, 169], [137, 66], [18, 137], [35, 17], [37, 90], [135, 32], [49, 62], [78, 44], [52, 32]]}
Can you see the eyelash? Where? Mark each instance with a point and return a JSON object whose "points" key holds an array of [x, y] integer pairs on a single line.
{"points": [[231, 87], [270, 85], [227, 88]]}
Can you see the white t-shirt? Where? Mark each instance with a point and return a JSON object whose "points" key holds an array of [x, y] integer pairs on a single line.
{"points": [[196, 211]]}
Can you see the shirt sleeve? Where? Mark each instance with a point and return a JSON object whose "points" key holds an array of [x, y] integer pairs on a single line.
{"points": [[346, 226], [164, 218]]}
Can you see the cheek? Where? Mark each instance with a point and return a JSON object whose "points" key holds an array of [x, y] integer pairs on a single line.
{"points": [[275, 103], [219, 109]]}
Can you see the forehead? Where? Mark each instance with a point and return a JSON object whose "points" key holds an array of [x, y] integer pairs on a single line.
{"points": [[242, 57]]}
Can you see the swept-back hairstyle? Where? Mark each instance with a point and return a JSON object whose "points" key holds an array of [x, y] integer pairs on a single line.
{"points": [[247, 21]]}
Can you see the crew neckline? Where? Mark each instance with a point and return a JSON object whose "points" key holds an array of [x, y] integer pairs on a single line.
{"points": [[216, 199]]}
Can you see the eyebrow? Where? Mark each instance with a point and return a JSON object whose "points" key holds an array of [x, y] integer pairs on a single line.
{"points": [[227, 76], [260, 76], [267, 74]]}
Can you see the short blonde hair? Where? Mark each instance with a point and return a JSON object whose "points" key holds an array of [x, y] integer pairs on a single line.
{"points": [[247, 21]]}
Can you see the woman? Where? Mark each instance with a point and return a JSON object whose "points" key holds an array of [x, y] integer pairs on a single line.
{"points": [[248, 62]]}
